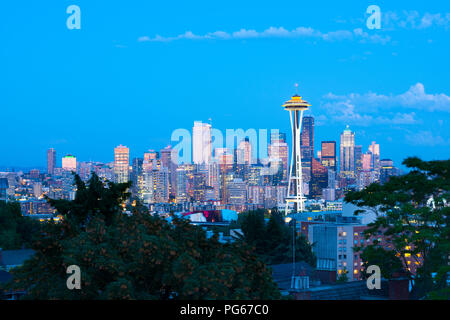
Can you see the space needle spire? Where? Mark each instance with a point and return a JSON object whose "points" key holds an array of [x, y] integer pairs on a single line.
{"points": [[296, 106]]}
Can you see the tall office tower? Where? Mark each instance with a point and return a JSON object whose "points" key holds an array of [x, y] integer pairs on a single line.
{"points": [[237, 192], [319, 179], [347, 154], [84, 169], [169, 159], [121, 164], [199, 186], [51, 160], [307, 138], [37, 189], [365, 178], [156, 186], [181, 194], [69, 163], [150, 162], [137, 177], [225, 158], [307, 147], [277, 137], [367, 164], [214, 178], [254, 177], [296, 106], [328, 154], [161, 186], [201, 143], [246, 148], [279, 149], [358, 160], [374, 148], [386, 170]]}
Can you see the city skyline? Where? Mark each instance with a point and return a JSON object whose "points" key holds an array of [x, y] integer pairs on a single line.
{"points": [[316, 150], [141, 68]]}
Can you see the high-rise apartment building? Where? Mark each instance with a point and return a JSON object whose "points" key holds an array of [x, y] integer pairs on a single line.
{"points": [[121, 164], [201, 143]]}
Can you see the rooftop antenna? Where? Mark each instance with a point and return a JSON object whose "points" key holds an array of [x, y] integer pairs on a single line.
{"points": [[296, 88]]}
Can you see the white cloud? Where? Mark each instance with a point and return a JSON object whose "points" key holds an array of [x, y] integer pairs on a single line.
{"points": [[414, 20], [277, 32], [414, 98], [426, 138], [372, 108]]}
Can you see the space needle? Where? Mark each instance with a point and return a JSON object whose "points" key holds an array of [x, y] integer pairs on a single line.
{"points": [[296, 106]]}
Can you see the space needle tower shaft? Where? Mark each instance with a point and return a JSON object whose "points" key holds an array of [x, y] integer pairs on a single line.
{"points": [[296, 105]]}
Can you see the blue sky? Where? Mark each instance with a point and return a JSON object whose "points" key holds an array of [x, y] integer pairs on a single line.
{"points": [[137, 70]]}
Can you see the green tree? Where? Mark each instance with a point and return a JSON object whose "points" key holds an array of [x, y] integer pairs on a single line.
{"points": [[413, 217], [273, 240], [16, 231], [137, 256]]}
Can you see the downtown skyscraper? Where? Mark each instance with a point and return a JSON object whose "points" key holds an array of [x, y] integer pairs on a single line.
{"points": [[121, 164], [347, 153], [201, 143], [328, 154], [51, 160]]}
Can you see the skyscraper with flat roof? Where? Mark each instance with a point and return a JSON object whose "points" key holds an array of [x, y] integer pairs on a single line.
{"points": [[328, 154], [307, 137], [69, 163], [246, 148], [121, 164], [51, 160], [319, 179], [201, 143], [169, 159]]}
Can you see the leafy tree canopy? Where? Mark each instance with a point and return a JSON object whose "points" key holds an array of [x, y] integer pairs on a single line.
{"points": [[137, 256], [15, 230], [413, 217], [273, 240]]}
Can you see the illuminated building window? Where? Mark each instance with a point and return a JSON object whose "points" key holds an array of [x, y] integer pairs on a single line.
{"points": [[355, 271]]}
